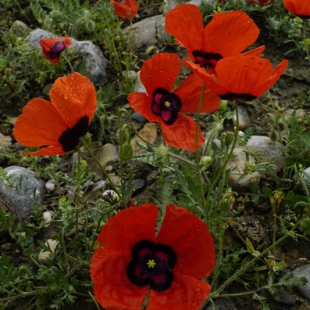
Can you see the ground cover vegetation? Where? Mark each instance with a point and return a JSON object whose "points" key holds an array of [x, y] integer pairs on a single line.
{"points": [[178, 244]]}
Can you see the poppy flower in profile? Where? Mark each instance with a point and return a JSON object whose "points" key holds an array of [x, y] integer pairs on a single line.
{"points": [[228, 34], [163, 105], [300, 8], [135, 261], [126, 8], [242, 78], [56, 126], [52, 48]]}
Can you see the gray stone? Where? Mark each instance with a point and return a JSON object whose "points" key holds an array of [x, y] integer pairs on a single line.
{"points": [[244, 118], [138, 118], [145, 33], [30, 190], [267, 151], [99, 186], [303, 271], [95, 62], [238, 178], [107, 154]]}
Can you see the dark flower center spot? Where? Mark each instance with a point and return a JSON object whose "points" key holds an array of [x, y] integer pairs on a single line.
{"points": [[57, 49], [166, 105], [205, 60], [151, 265], [238, 97], [69, 139]]}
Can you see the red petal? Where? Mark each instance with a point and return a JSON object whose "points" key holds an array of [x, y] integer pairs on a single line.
{"points": [[190, 239], [211, 82], [141, 103], [74, 96], [254, 52], [161, 71], [185, 23], [298, 7], [182, 133], [185, 293], [189, 92], [230, 33], [129, 226], [126, 8], [113, 290], [40, 124]]}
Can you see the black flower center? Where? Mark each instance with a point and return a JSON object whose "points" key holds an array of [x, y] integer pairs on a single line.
{"points": [[166, 105], [57, 49], [205, 60], [69, 139], [152, 265]]}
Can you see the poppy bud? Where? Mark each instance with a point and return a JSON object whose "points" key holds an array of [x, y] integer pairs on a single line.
{"points": [[126, 151], [229, 138], [206, 160], [162, 151], [123, 135]]}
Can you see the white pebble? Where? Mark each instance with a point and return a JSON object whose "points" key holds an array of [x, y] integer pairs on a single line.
{"points": [[44, 255], [50, 186], [110, 194], [47, 217]]}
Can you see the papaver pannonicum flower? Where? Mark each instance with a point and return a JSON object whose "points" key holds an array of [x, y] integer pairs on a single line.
{"points": [[228, 34], [300, 8], [262, 2], [169, 265], [126, 8], [242, 78], [52, 48], [56, 126], [163, 105]]}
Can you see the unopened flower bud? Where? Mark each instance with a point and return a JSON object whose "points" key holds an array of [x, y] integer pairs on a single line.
{"points": [[123, 136], [162, 151], [126, 151], [206, 160]]}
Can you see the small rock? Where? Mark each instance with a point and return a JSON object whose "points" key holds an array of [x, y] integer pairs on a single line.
{"points": [[138, 118], [44, 255], [285, 298], [137, 184], [47, 217], [267, 150], [139, 87], [28, 190], [5, 141], [303, 271], [238, 178], [244, 118], [148, 133], [305, 306], [107, 154], [300, 114], [99, 186], [221, 304], [110, 195], [50, 186]]}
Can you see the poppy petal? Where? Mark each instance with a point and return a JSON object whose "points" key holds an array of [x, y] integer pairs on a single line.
{"points": [[40, 124], [229, 33], [185, 293], [129, 226], [160, 71], [254, 52], [112, 288], [141, 103], [190, 239], [189, 92], [125, 8], [185, 23], [182, 133], [298, 7], [210, 80], [74, 96]]}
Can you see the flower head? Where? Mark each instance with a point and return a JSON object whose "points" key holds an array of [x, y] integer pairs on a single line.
{"points": [[56, 126], [135, 259], [163, 105], [52, 48], [300, 8], [125, 8], [228, 34], [242, 78]]}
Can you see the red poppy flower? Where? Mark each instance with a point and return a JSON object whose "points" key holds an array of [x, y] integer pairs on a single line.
{"points": [[52, 48], [242, 78], [126, 8], [262, 2], [56, 126], [228, 34], [161, 104], [300, 8], [171, 264]]}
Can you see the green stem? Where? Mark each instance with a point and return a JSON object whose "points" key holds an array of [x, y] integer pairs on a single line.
{"points": [[24, 294], [221, 171], [197, 125], [101, 167], [68, 62]]}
